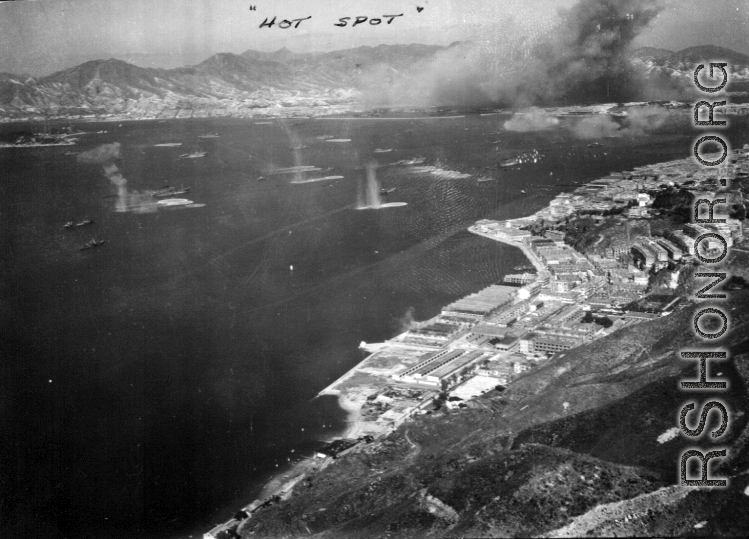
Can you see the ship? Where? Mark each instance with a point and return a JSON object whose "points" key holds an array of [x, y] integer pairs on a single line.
{"points": [[170, 192], [387, 190], [171, 202], [510, 162], [524, 158], [73, 224], [193, 155], [92, 243], [410, 162]]}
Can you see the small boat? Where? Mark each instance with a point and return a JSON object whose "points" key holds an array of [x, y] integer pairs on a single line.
{"points": [[209, 135], [92, 243], [73, 224], [409, 162], [523, 191], [387, 190], [261, 178], [193, 155]]}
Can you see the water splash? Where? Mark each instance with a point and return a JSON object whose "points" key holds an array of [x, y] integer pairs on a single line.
{"points": [[368, 194], [370, 189], [296, 147]]}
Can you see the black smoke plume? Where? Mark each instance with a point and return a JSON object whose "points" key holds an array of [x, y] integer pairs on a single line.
{"points": [[590, 61], [582, 58]]}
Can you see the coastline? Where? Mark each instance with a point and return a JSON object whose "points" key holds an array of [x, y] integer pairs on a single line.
{"points": [[354, 427], [281, 484], [329, 112], [527, 252], [311, 115], [358, 379]]}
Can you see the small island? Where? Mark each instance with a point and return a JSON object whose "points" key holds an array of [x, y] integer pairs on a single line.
{"points": [[64, 136]]}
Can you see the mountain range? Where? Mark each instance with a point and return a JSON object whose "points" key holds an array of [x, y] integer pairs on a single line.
{"points": [[282, 82]]}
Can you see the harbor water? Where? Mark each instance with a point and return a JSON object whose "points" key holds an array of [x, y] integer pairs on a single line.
{"points": [[151, 384]]}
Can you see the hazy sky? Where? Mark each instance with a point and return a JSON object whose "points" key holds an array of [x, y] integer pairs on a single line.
{"points": [[41, 36]]}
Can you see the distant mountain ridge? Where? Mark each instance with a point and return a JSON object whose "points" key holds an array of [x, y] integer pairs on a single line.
{"points": [[225, 84], [711, 52], [691, 55], [261, 83]]}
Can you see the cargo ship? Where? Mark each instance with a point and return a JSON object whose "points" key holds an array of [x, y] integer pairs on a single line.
{"points": [[525, 158]]}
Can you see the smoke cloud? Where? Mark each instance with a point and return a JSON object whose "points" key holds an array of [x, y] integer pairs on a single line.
{"points": [[533, 119], [582, 58], [595, 127], [104, 154], [637, 122], [406, 321]]}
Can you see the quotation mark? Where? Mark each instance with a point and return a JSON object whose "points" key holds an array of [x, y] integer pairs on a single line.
{"points": [[253, 8]]}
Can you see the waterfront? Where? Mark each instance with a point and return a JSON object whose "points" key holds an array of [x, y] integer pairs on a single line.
{"points": [[177, 362], [480, 343]]}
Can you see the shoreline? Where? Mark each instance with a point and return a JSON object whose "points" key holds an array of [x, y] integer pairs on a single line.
{"points": [[313, 113], [351, 401], [529, 255], [282, 483], [353, 419]]}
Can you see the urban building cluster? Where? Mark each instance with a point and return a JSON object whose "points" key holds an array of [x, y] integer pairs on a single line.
{"points": [[628, 273]]}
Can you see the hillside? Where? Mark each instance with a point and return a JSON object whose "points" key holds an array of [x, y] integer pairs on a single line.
{"points": [[290, 83], [522, 463], [223, 85], [692, 55]]}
